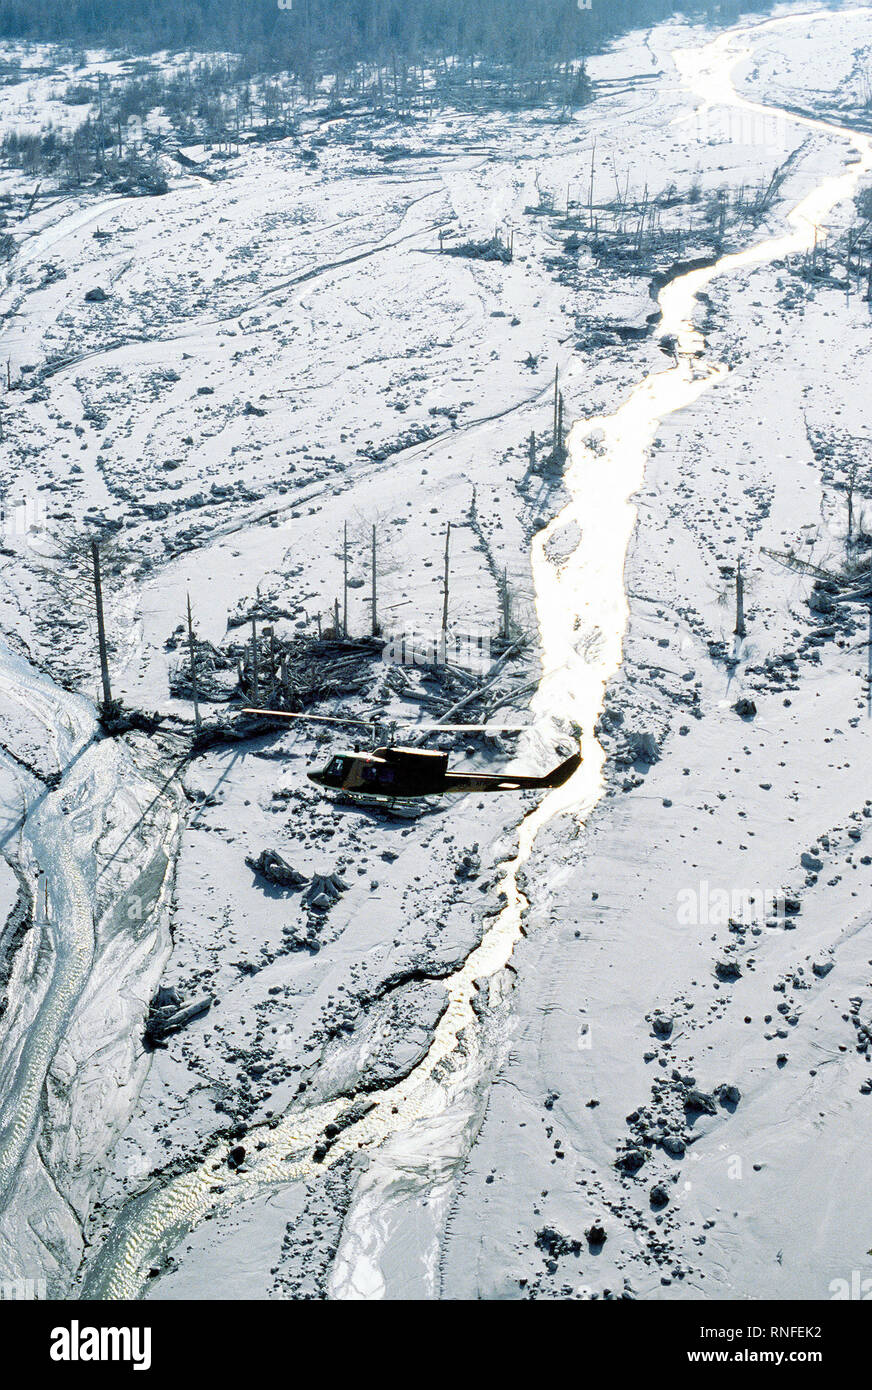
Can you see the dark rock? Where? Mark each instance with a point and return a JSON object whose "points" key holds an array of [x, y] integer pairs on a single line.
{"points": [[631, 1160], [727, 970], [552, 1243], [674, 1145], [699, 1103], [324, 891], [728, 1095], [596, 1236]]}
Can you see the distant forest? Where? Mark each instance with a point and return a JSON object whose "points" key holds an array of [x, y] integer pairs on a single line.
{"points": [[254, 60], [318, 33]]}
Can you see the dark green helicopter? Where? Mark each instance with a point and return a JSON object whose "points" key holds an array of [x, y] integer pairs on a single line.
{"points": [[405, 774]]}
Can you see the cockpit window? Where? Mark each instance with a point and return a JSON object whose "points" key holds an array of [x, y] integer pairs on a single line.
{"points": [[336, 767]]}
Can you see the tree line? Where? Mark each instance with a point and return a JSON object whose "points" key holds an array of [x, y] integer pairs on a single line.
{"points": [[326, 32]]}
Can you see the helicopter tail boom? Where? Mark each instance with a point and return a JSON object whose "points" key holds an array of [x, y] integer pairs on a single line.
{"points": [[485, 782]]}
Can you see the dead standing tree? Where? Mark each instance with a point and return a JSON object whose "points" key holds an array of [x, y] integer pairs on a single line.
{"points": [[843, 459], [79, 570], [375, 623], [740, 629], [193, 658], [505, 607], [733, 594], [850, 489], [365, 539], [101, 625], [445, 589]]}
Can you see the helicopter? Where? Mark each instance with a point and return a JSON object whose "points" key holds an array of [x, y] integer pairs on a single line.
{"points": [[392, 773]]}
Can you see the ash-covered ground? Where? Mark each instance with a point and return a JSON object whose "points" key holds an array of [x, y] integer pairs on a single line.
{"points": [[642, 1086]]}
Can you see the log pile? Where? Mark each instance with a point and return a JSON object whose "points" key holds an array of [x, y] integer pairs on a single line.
{"points": [[168, 1014], [276, 870], [294, 675]]}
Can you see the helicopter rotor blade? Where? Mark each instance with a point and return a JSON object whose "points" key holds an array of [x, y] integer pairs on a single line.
{"points": [[381, 722], [470, 728], [309, 718]]}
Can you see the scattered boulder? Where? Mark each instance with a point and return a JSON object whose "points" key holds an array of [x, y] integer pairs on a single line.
{"points": [[728, 970], [596, 1236], [674, 1145], [552, 1243], [96, 296], [659, 1195], [819, 601], [745, 708], [324, 891], [822, 968], [699, 1103], [469, 865], [811, 863], [631, 1160], [728, 1095]]}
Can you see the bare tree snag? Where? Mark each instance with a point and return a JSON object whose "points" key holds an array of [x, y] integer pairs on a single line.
{"points": [[255, 684], [193, 657], [445, 585], [741, 630], [101, 625], [375, 626]]}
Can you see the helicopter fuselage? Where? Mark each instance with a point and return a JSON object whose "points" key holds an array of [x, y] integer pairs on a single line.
{"points": [[407, 773]]}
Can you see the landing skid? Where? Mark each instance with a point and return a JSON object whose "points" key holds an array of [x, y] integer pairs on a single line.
{"points": [[398, 807]]}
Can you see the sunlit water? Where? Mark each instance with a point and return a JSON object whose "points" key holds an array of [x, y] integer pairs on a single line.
{"points": [[582, 613]]}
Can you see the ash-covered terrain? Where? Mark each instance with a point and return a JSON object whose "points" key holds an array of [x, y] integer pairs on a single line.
{"points": [[609, 1042]]}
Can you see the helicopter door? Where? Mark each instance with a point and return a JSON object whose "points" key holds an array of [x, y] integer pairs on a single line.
{"points": [[377, 777]]}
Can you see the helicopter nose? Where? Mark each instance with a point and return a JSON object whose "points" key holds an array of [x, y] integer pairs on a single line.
{"points": [[316, 777]]}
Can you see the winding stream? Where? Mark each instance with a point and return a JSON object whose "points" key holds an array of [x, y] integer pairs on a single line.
{"points": [[584, 595]]}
